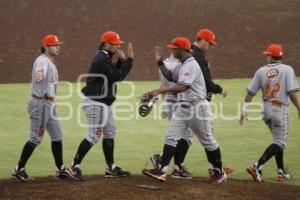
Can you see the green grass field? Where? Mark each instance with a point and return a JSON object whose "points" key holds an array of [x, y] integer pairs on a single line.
{"points": [[139, 137]]}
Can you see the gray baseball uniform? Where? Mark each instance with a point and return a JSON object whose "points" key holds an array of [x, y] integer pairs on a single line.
{"points": [[41, 108], [170, 100], [194, 110], [276, 80], [100, 120]]}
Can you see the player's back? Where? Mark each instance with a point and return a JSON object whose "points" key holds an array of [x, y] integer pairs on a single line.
{"points": [[277, 80]]}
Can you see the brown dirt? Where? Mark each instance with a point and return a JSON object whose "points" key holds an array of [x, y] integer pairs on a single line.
{"points": [[97, 187], [243, 29]]}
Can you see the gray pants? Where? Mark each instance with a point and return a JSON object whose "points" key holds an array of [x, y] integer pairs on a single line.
{"points": [[43, 116], [198, 118], [276, 118], [169, 109], [100, 120]]}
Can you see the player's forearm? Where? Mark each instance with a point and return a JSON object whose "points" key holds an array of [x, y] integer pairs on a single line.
{"points": [[295, 100], [173, 89], [165, 72]]}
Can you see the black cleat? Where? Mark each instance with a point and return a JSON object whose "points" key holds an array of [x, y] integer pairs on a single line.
{"points": [[217, 177], [61, 174], [116, 172], [20, 175], [181, 173], [75, 172]]}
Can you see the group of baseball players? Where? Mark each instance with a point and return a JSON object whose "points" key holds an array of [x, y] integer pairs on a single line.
{"points": [[187, 88]]}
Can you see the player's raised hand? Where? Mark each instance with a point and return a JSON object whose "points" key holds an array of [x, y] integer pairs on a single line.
{"points": [[158, 53], [130, 50]]}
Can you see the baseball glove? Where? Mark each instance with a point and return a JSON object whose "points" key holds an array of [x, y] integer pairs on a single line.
{"points": [[146, 104]]}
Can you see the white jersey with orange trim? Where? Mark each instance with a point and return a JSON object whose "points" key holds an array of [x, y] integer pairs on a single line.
{"points": [[44, 77], [276, 80]]}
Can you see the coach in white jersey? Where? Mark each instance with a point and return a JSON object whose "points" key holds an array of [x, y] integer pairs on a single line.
{"points": [[279, 85], [193, 111], [42, 109]]}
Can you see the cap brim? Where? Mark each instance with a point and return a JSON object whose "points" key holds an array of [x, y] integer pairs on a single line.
{"points": [[213, 43], [117, 42], [265, 53], [172, 46]]}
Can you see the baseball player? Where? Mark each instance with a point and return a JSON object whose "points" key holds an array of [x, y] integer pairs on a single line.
{"points": [[42, 109], [169, 106], [100, 93], [204, 39], [193, 111], [279, 85]]}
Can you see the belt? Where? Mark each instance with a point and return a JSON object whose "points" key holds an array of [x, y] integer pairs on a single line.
{"points": [[187, 104], [171, 101], [276, 103], [45, 97]]}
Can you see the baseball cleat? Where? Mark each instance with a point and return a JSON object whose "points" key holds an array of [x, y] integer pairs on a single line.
{"points": [[117, 172], [227, 170], [217, 177], [181, 173], [75, 172], [20, 175], [156, 174], [282, 175], [155, 160], [255, 173], [61, 174]]}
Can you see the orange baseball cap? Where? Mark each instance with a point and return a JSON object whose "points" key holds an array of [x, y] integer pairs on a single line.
{"points": [[180, 42], [207, 35], [51, 40], [111, 37], [274, 50]]}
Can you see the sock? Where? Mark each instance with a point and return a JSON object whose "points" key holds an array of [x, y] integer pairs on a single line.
{"points": [[279, 160], [168, 153], [181, 151], [26, 153], [209, 156], [269, 152], [56, 147], [214, 157], [83, 148], [108, 150]]}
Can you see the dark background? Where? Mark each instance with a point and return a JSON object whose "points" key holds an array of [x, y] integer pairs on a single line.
{"points": [[243, 29]]}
